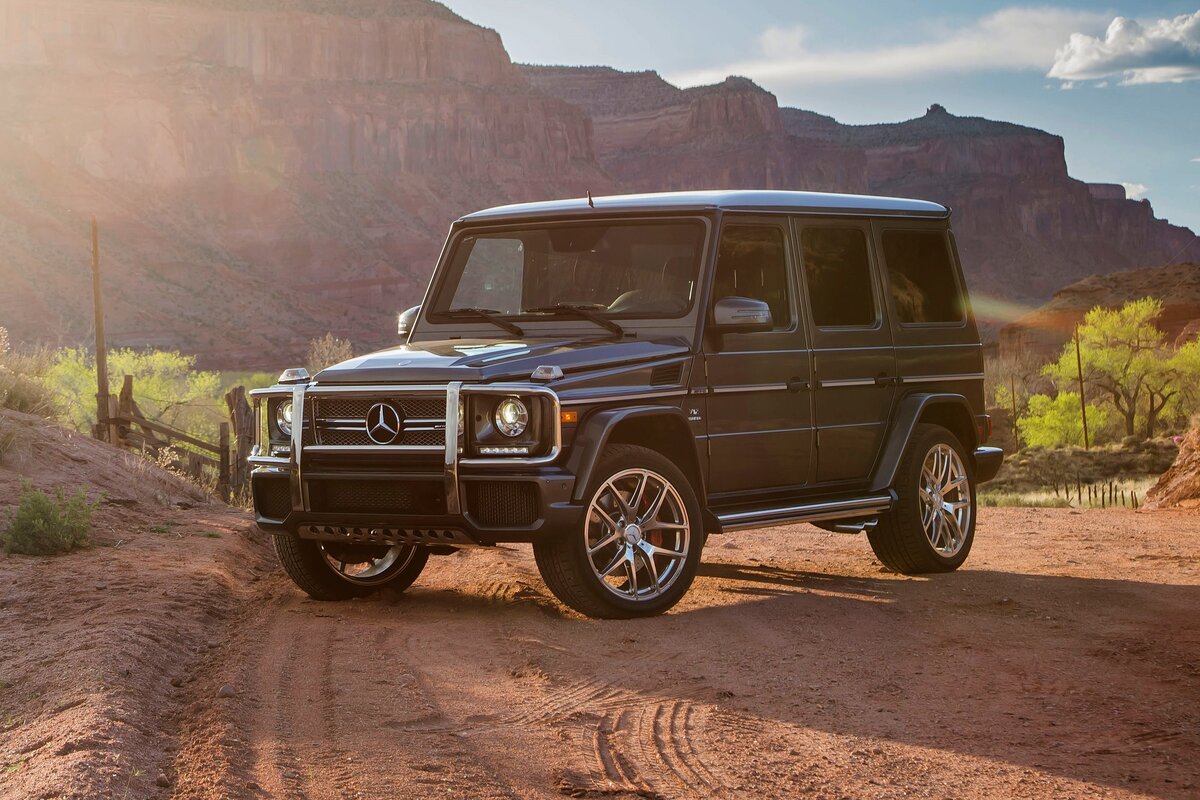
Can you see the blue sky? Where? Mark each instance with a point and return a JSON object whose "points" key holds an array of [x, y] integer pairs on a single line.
{"points": [[1125, 96]]}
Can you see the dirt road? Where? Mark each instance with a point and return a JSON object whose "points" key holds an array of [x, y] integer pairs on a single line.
{"points": [[1063, 661]]}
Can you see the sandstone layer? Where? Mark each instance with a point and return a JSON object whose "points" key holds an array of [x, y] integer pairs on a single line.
{"points": [[267, 171]]}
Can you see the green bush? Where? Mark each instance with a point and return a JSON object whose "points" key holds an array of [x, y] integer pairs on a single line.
{"points": [[43, 525], [23, 386]]}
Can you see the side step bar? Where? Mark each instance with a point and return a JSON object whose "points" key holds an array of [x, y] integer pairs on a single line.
{"points": [[855, 508]]}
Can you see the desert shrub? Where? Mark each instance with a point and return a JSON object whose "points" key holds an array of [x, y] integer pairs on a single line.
{"points": [[43, 524], [9, 437], [327, 351], [1018, 500], [23, 381]]}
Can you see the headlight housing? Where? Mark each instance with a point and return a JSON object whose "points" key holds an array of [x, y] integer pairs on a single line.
{"points": [[283, 417], [511, 417]]}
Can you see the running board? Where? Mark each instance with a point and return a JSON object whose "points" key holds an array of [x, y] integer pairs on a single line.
{"points": [[855, 508]]}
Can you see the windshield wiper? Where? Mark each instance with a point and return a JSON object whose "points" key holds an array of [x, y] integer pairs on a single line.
{"points": [[490, 315], [587, 312]]}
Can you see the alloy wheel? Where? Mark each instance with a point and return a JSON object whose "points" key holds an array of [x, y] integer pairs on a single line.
{"points": [[945, 491]]}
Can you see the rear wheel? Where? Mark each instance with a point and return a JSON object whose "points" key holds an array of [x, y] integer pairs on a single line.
{"points": [[932, 527], [637, 548], [339, 571]]}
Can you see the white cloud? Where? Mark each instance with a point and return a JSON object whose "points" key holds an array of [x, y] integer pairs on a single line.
{"points": [[1135, 191], [1012, 38], [1162, 51]]}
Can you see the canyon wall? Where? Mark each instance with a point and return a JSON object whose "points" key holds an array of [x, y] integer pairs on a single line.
{"points": [[1024, 226], [264, 171]]}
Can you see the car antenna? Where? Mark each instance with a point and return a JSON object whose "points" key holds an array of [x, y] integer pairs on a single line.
{"points": [[591, 202]]}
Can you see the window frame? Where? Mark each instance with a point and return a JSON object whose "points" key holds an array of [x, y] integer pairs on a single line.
{"points": [[790, 261], [955, 271], [864, 227]]}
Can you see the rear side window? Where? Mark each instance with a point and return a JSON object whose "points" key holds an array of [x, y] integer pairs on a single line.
{"points": [[924, 288], [752, 262], [838, 271]]}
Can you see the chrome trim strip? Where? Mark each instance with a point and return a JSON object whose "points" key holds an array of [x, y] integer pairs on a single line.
{"points": [[757, 387], [295, 462], [271, 391], [847, 382], [316, 390], [348, 449], [268, 461], [809, 512], [610, 398], [450, 474], [965, 376]]}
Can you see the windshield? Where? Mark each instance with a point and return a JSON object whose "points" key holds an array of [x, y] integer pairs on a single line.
{"points": [[617, 269]]}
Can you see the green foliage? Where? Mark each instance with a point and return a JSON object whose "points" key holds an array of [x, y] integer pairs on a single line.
{"points": [[22, 380], [44, 525], [327, 351], [1056, 421], [1129, 367], [1017, 500], [166, 386]]}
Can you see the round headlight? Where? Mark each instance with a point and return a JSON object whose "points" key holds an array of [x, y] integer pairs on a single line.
{"points": [[512, 417], [283, 418]]}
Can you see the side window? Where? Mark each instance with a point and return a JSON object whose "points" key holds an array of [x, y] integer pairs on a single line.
{"points": [[837, 269], [924, 288], [752, 262]]}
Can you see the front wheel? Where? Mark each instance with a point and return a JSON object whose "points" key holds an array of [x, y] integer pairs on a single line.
{"points": [[637, 549], [932, 527], [340, 571]]}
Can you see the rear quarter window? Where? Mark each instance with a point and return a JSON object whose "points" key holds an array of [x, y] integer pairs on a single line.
{"points": [[922, 277]]}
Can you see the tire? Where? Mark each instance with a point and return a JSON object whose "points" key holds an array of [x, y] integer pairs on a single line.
{"points": [[307, 563], [656, 581], [906, 539]]}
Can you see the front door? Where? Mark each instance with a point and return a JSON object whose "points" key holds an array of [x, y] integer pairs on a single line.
{"points": [[758, 401], [854, 360]]}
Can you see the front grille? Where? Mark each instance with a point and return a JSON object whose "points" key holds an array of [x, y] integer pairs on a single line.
{"points": [[342, 421], [377, 497], [273, 497], [503, 503]]}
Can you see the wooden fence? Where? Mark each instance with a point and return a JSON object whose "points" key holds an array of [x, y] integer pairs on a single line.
{"points": [[126, 426]]}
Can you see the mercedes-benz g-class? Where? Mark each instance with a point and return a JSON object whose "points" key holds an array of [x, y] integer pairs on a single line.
{"points": [[615, 379]]}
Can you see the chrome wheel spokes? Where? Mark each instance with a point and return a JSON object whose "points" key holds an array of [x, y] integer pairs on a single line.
{"points": [[945, 499], [637, 534], [367, 567]]}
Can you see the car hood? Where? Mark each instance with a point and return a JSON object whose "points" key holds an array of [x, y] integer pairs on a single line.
{"points": [[489, 360]]}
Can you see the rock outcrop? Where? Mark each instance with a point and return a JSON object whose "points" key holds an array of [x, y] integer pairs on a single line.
{"points": [[262, 172], [269, 170], [1179, 486], [1043, 332]]}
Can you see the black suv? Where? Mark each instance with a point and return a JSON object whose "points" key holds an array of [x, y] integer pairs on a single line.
{"points": [[614, 379]]}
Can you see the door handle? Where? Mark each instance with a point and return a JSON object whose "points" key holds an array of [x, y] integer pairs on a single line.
{"points": [[798, 385], [886, 380]]}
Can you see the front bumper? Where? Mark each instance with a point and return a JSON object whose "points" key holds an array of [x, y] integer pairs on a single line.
{"points": [[987, 463], [407, 494]]}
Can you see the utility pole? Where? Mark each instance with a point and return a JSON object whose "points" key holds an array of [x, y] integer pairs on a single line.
{"points": [[102, 425], [1082, 399], [1012, 390]]}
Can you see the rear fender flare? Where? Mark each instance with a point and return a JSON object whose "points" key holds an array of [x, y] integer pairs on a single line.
{"points": [[908, 414]]}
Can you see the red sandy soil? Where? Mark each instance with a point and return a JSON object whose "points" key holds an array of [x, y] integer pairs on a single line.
{"points": [[1062, 661]]}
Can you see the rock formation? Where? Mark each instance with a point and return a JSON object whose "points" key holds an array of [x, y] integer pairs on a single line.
{"points": [[1024, 226], [265, 171], [1042, 332], [1179, 486]]}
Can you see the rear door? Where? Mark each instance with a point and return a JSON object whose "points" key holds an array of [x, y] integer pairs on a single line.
{"points": [[758, 401], [854, 361]]}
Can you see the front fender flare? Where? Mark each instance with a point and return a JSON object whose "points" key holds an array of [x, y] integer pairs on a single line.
{"points": [[593, 436]]}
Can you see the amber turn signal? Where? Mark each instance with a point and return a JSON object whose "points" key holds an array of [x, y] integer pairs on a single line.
{"points": [[568, 417]]}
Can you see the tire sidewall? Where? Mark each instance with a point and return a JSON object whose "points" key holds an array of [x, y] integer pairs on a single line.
{"points": [[616, 460]]}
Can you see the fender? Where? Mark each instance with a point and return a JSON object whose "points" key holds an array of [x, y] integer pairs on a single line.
{"points": [[593, 436], [908, 414]]}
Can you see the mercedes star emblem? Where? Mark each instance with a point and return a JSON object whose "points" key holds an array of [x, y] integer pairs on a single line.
{"points": [[383, 423]]}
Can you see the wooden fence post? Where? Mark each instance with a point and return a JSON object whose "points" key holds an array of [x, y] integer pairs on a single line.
{"points": [[223, 481]]}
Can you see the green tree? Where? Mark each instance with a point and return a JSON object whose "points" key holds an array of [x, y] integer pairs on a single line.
{"points": [[166, 385], [1056, 422], [1126, 362]]}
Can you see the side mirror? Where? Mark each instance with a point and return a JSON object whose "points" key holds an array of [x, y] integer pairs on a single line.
{"points": [[741, 315], [405, 321]]}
